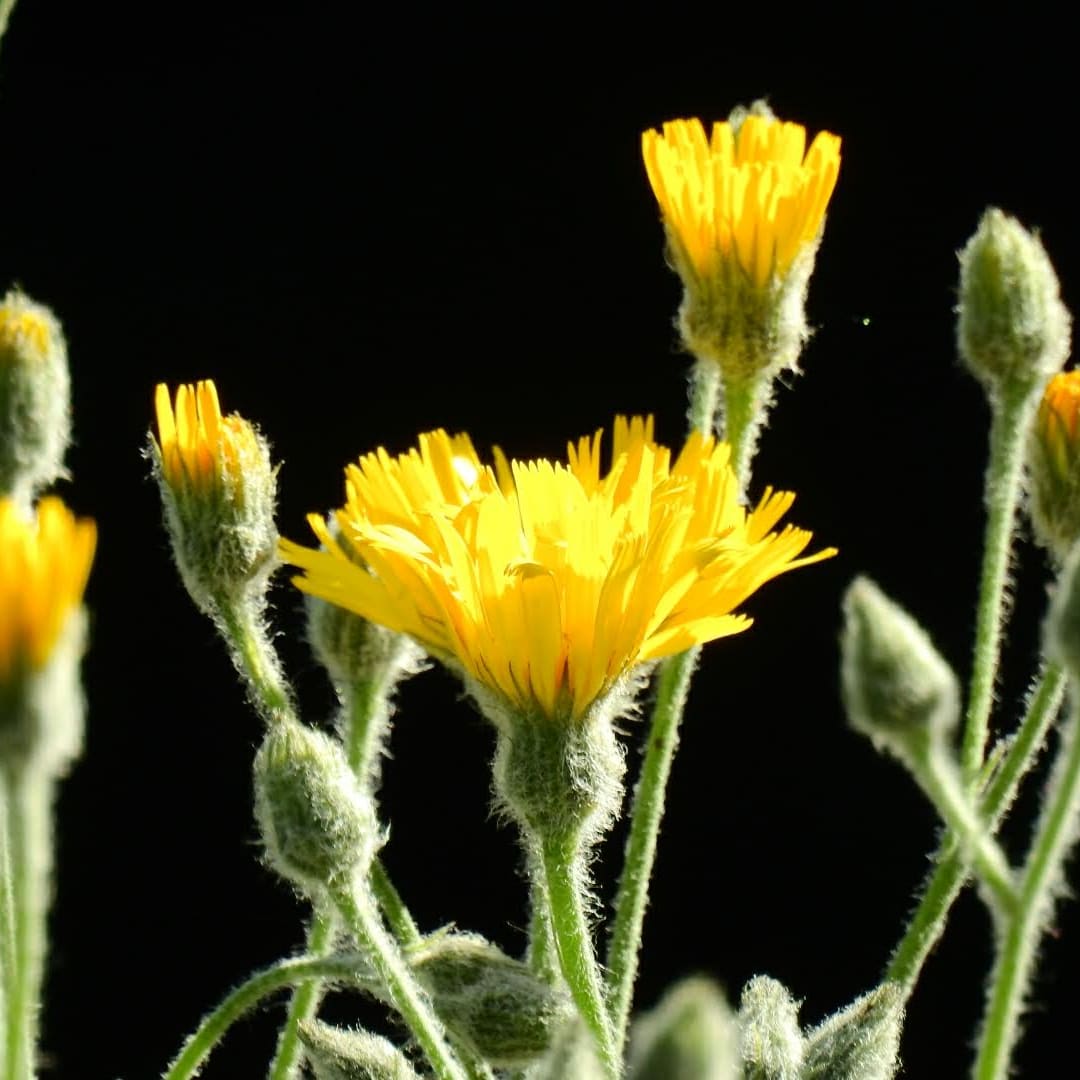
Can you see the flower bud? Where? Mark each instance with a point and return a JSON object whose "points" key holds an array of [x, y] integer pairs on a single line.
{"points": [[1013, 330], [572, 1056], [318, 826], [218, 489], [490, 1002], [1054, 466], [35, 398], [44, 565], [1063, 620], [861, 1042], [769, 1035], [334, 1054], [897, 689], [692, 1032]]}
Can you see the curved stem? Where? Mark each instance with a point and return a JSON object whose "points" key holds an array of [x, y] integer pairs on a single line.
{"points": [[563, 877], [405, 993], [246, 996], [624, 944], [392, 906], [950, 873], [1008, 430], [305, 999], [1054, 834], [254, 657]]}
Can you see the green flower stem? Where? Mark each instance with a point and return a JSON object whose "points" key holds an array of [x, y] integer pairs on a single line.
{"points": [[405, 993], [564, 877], [1008, 431], [977, 846], [1042, 874], [244, 630], [624, 944], [950, 872], [29, 864], [541, 955], [7, 910], [744, 402], [366, 710], [305, 998], [392, 906], [291, 972]]}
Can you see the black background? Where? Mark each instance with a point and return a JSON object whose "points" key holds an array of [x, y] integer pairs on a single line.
{"points": [[363, 228]]}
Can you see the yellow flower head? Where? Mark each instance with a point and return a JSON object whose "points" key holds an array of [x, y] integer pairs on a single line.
{"points": [[218, 487], [548, 581], [751, 195], [23, 329], [200, 449], [1054, 464], [44, 564]]}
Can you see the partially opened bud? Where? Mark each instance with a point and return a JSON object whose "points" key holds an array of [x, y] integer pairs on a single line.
{"points": [[318, 825], [1013, 329], [1054, 466], [334, 1054], [35, 398], [897, 688], [692, 1032], [218, 488]]}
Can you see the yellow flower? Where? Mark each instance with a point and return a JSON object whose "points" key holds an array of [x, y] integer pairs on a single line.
{"points": [[751, 195], [44, 564], [547, 582], [22, 329], [1058, 424], [199, 447]]}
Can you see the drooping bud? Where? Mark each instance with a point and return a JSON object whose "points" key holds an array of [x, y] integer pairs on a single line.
{"points": [[769, 1035], [861, 1042], [897, 688], [334, 1054], [318, 825], [44, 565], [1013, 329], [489, 1001], [218, 489], [692, 1032], [35, 398], [1054, 466]]}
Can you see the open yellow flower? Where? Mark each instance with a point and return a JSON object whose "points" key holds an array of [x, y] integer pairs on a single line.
{"points": [[546, 582], [753, 196], [44, 565]]}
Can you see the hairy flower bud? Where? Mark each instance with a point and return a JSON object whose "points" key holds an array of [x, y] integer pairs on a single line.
{"points": [[318, 826], [897, 688], [769, 1035], [861, 1042], [692, 1032], [35, 398], [488, 1000], [334, 1054], [1054, 466], [1013, 329]]}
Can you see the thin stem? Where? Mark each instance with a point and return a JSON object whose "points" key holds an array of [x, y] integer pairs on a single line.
{"points": [[1008, 430], [7, 910], [392, 906], [405, 993], [541, 954], [366, 711], [977, 845], [563, 876], [6, 8], [743, 408], [245, 633], [305, 998], [29, 858], [198, 1046], [950, 873], [1054, 834], [624, 944]]}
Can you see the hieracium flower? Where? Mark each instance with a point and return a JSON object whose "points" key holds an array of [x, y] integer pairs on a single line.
{"points": [[45, 561], [1054, 465], [743, 209], [545, 582], [218, 488]]}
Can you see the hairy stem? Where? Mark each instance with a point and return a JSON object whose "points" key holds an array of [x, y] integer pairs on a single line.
{"points": [[244, 631]]}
